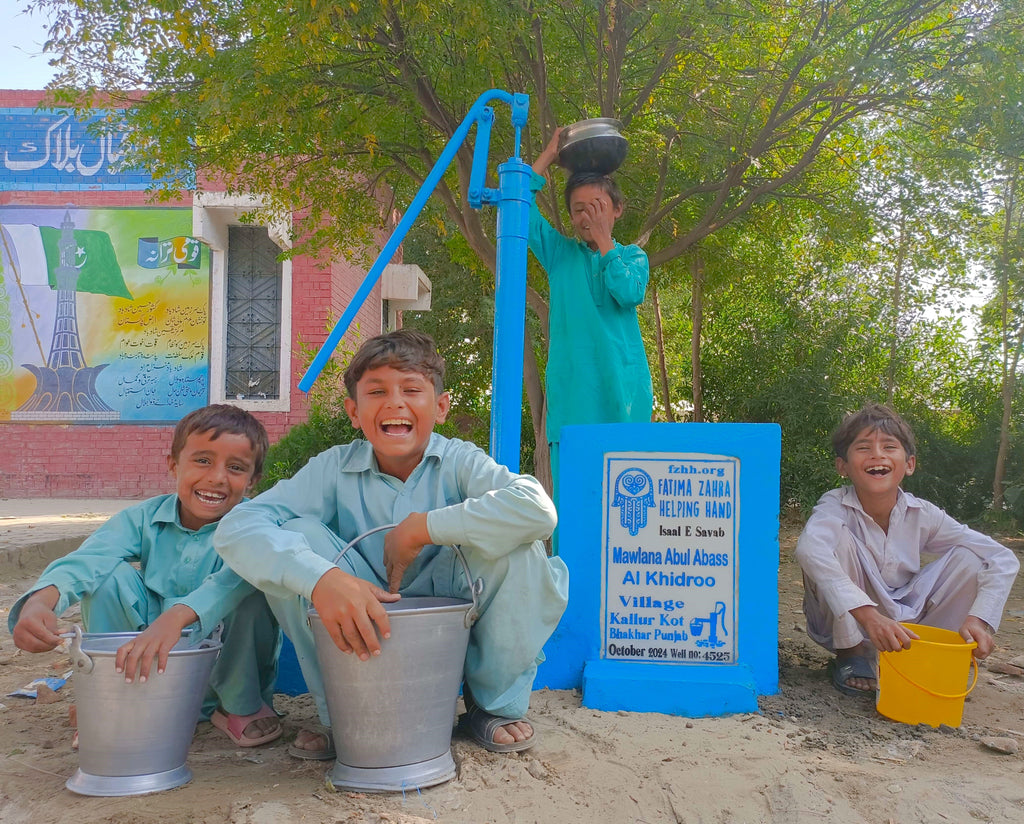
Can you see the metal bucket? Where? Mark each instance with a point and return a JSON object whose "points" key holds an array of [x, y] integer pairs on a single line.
{"points": [[594, 145], [392, 716], [134, 738]]}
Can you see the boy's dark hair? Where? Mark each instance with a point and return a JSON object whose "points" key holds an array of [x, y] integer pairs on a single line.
{"points": [[404, 349], [873, 416], [220, 418], [605, 183]]}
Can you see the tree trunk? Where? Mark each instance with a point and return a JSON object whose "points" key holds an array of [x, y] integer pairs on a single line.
{"points": [[697, 310], [1010, 360], [659, 337], [535, 396], [1009, 386], [897, 298]]}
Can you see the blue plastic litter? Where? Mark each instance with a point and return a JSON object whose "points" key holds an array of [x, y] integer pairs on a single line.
{"points": [[54, 682]]}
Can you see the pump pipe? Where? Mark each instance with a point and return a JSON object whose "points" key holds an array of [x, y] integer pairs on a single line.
{"points": [[388, 252]]}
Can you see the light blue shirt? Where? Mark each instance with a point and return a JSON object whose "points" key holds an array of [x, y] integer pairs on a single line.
{"points": [[178, 565], [470, 499]]}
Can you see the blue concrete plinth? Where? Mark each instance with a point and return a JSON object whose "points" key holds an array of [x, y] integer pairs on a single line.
{"points": [[289, 675], [625, 685], [670, 533]]}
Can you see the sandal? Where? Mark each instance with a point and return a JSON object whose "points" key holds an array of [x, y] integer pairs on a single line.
{"points": [[855, 666], [233, 726], [480, 725]]}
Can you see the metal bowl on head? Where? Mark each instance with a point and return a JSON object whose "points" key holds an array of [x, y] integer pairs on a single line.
{"points": [[594, 145]]}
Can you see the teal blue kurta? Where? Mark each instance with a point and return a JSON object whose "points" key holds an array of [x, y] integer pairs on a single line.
{"points": [[176, 565], [284, 540], [597, 369]]}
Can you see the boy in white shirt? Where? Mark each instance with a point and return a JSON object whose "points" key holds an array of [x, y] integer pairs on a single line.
{"points": [[861, 557]]}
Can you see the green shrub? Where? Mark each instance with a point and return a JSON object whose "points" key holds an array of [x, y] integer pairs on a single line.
{"points": [[303, 441]]}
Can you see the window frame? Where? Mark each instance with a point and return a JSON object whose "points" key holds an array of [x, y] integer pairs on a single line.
{"points": [[212, 213]]}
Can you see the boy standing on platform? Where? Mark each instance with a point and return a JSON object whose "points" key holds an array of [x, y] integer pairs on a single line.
{"points": [[597, 369], [438, 491], [152, 569], [861, 554]]}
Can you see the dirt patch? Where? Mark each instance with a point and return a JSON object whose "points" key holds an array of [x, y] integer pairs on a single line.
{"points": [[811, 754]]}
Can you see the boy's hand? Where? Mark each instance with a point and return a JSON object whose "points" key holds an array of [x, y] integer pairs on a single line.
{"points": [[36, 630], [886, 634], [974, 629], [600, 213], [349, 608], [402, 545], [549, 155], [156, 641]]}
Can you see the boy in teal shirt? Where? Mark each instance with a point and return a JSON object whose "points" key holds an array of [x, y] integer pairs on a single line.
{"points": [[597, 369], [216, 455], [438, 491]]}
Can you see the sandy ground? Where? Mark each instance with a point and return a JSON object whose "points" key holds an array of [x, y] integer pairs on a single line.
{"points": [[809, 755]]}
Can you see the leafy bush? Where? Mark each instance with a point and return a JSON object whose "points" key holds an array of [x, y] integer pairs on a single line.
{"points": [[326, 426], [303, 441]]}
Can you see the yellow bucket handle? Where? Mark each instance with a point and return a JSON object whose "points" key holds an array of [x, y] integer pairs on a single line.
{"points": [[910, 681]]}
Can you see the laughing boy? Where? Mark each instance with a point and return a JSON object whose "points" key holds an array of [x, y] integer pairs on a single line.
{"points": [[861, 555]]}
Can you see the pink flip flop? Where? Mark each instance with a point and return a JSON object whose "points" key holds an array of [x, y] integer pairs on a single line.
{"points": [[233, 726]]}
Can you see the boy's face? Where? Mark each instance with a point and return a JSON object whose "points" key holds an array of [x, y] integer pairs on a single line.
{"points": [[876, 463], [397, 411], [212, 476], [590, 205]]}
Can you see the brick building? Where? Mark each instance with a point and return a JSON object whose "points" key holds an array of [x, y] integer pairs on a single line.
{"points": [[119, 316]]}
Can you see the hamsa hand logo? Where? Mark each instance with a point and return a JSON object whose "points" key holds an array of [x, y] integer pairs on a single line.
{"points": [[634, 495]]}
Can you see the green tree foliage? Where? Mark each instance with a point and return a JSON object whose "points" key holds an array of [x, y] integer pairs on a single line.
{"points": [[791, 147]]}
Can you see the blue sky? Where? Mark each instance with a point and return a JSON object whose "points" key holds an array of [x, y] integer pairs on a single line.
{"points": [[21, 43]]}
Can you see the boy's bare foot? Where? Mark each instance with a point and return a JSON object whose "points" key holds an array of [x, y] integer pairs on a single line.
{"points": [[512, 733], [313, 745], [261, 727]]}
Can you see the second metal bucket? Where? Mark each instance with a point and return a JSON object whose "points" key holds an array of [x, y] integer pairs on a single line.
{"points": [[392, 716], [134, 738]]}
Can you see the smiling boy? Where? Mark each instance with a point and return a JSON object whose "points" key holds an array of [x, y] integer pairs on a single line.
{"points": [[861, 555], [152, 569], [439, 492]]}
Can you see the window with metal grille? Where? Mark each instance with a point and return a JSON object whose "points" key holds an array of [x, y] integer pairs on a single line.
{"points": [[253, 314]]}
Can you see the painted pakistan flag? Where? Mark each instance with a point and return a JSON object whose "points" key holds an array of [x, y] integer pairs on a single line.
{"points": [[103, 315]]}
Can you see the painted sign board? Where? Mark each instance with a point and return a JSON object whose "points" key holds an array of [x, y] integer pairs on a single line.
{"points": [[51, 150], [668, 580], [670, 533]]}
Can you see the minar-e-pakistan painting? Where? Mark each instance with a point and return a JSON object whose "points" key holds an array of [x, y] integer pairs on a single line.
{"points": [[104, 315]]}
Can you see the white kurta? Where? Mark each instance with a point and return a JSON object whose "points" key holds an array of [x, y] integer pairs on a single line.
{"points": [[928, 568]]}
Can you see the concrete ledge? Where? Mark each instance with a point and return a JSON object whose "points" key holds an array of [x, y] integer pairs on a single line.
{"points": [[36, 556]]}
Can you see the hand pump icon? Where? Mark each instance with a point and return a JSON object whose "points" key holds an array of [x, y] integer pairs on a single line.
{"points": [[512, 198], [713, 620]]}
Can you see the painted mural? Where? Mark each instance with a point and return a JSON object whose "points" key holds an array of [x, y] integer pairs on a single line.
{"points": [[104, 315]]}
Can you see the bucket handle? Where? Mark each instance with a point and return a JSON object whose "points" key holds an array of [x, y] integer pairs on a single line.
{"points": [[82, 662], [476, 587], [923, 688]]}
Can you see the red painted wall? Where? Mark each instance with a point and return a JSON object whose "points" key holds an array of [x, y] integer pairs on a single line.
{"points": [[128, 461]]}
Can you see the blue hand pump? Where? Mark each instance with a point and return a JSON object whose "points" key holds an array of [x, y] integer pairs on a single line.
{"points": [[513, 201]]}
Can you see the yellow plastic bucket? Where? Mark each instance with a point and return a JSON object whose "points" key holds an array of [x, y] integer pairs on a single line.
{"points": [[927, 684]]}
